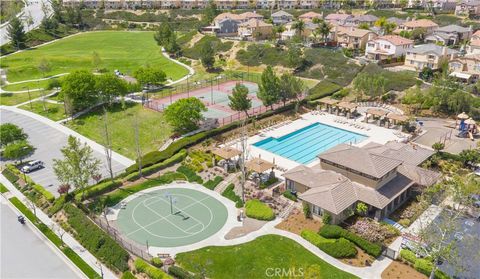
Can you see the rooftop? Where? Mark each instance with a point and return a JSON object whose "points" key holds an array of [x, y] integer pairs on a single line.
{"points": [[420, 23], [453, 28], [310, 15], [337, 17], [432, 48], [396, 40], [281, 13]]}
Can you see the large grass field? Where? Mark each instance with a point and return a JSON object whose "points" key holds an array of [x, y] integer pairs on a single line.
{"points": [[53, 111], [153, 129], [252, 259], [24, 85], [122, 50], [11, 99]]}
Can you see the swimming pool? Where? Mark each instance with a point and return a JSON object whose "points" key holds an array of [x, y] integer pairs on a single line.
{"points": [[305, 144]]}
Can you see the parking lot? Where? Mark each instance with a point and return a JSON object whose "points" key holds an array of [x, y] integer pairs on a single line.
{"points": [[48, 139]]}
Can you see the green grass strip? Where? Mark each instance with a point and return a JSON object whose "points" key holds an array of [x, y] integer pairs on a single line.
{"points": [[3, 189], [74, 257]]}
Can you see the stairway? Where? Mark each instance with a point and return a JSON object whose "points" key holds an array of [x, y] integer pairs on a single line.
{"points": [[287, 211], [394, 224], [224, 184]]}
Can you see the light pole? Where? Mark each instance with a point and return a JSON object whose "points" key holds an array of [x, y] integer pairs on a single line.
{"points": [[29, 97]]}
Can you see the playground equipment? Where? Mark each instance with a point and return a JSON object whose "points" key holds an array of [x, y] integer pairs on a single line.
{"points": [[467, 126]]}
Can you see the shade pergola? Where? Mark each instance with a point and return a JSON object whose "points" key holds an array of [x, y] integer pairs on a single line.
{"points": [[347, 105], [397, 117], [463, 115], [226, 152], [258, 165], [377, 112], [328, 101]]}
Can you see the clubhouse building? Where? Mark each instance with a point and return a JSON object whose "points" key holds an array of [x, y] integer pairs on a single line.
{"points": [[380, 176]]}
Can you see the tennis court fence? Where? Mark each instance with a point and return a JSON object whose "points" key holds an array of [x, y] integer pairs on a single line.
{"points": [[133, 247]]}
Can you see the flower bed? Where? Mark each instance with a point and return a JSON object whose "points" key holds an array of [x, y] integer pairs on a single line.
{"points": [[373, 231]]}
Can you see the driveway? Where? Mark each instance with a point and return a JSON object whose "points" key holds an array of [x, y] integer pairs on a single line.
{"points": [[48, 138], [33, 10], [25, 255]]}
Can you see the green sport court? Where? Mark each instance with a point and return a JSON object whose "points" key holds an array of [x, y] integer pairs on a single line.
{"points": [[172, 217]]}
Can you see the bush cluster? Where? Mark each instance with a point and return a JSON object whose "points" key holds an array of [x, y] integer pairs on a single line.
{"points": [[211, 184], [100, 244], [180, 273], [3, 189], [57, 205], [258, 210], [10, 176], [127, 275], [229, 193], [152, 272], [323, 89], [97, 189], [180, 156], [423, 266], [190, 174], [157, 262], [337, 248], [195, 51], [13, 174], [333, 231], [287, 194], [39, 189]]}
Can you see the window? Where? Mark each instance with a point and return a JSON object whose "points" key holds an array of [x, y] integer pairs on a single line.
{"points": [[371, 45], [387, 46], [431, 56], [476, 67]]}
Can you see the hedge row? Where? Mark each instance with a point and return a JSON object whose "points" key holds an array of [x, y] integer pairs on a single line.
{"points": [[323, 89], [334, 231], [16, 173], [76, 259], [57, 205], [10, 176], [95, 240], [116, 196], [128, 275], [152, 272], [211, 184], [177, 158], [338, 248], [190, 174], [423, 266], [154, 157], [39, 189], [97, 189], [181, 273], [229, 193], [258, 210]]}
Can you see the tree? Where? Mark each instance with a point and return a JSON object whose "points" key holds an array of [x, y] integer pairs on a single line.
{"points": [[324, 30], [364, 26], [210, 12], [372, 85], [426, 74], [185, 114], [63, 189], [438, 146], [109, 87], [171, 46], [107, 145], [291, 88], [16, 33], [44, 66], [385, 26], [277, 31], [299, 27], [18, 150], [239, 100], [77, 165], [306, 210], [78, 90], [96, 60], [10, 133], [148, 76], [269, 88], [294, 56], [207, 56], [163, 33], [362, 208]]}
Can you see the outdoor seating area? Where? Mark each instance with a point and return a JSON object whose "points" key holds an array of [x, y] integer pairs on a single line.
{"points": [[352, 123], [380, 105]]}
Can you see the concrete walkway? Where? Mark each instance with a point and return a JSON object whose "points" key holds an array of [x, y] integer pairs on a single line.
{"points": [[191, 71], [67, 238], [38, 99]]}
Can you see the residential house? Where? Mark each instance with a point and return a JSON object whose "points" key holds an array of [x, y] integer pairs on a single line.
{"points": [[449, 35], [281, 17], [310, 16], [474, 46], [428, 55], [382, 177], [470, 8], [466, 68], [290, 30], [387, 47], [361, 19], [352, 37], [255, 29], [409, 26], [443, 5], [396, 20], [338, 19]]}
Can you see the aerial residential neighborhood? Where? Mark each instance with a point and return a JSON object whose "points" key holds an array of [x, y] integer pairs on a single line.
{"points": [[158, 139]]}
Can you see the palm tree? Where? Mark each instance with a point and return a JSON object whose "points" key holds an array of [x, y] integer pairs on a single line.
{"points": [[299, 26], [387, 27], [277, 31], [324, 29]]}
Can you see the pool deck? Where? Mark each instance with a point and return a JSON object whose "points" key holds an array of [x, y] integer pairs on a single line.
{"points": [[375, 133]]}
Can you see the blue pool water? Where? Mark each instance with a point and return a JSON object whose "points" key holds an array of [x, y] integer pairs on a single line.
{"points": [[305, 144]]}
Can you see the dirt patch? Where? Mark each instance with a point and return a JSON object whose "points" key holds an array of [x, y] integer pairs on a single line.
{"points": [[297, 222], [360, 259], [398, 270], [249, 225], [195, 39]]}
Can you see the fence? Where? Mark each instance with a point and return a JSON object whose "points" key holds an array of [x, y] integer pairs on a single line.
{"points": [[130, 245]]}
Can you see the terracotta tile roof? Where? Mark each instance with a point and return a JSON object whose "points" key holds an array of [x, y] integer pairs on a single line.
{"points": [[425, 23], [396, 40], [228, 15], [254, 23], [353, 31], [338, 17], [310, 15], [249, 15]]}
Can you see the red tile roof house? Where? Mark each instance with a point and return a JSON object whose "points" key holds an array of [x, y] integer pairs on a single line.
{"points": [[387, 47], [427, 24], [338, 19], [380, 176], [310, 16]]}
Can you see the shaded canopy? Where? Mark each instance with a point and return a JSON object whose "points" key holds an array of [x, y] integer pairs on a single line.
{"points": [[226, 152], [462, 115], [347, 105], [377, 112], [397, 117], [328, 101], [258, 165]]}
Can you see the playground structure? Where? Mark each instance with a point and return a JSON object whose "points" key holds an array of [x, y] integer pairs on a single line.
{"points": [[467, 127]]}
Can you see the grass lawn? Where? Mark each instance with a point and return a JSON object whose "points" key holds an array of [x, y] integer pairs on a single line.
{"points": [[153, 129], [122, 50], [252, 259], [24, 85], [53, 111], [11, 99]]}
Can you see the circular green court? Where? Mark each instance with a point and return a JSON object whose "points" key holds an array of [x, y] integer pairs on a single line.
{"points": [[172, 217]]}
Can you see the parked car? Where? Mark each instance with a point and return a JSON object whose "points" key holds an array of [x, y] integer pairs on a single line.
{"points": [[32, 166]]}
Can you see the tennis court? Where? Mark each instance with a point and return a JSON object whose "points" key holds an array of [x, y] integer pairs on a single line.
{"points": [[172, 217]]}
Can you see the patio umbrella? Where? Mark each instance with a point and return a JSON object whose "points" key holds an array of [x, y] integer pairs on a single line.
{"points": [[463, 115], [470, 121]]}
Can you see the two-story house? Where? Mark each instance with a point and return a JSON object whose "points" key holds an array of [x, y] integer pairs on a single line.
{"points": [[449, 35], [470, 8], [425, 24], [387, 47], [352, 37], [361, 19], [255, 29], [281, 17], [338, 19], [428, 55], [310, 16], [380, 176], [474, 45], [466, 68]]}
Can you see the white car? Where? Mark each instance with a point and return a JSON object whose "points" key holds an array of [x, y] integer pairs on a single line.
{"points": [[31, 166]]}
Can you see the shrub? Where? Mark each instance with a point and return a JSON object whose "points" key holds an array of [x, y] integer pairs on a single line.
{"points": [[195, 51], [408, 255], [333, 231], [157, 262], [211, 184], [306, 210], [152, 272], [229, 193], [271, 180], [127, 275], [190, 174], [57, 205], [95, 240], [179, 272], [326, 218], [287, 194], [97, 189], [3, 189], [258, 210], [423, 266], [10, 176], [48, 196], [180, 156], [338, 248]]}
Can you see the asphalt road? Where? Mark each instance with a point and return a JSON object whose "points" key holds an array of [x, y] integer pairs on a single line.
{"points": [[48, 141], [33, 10], [25, 255]]}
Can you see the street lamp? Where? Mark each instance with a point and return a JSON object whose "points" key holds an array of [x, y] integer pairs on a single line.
{"points": [[99, 265]]}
